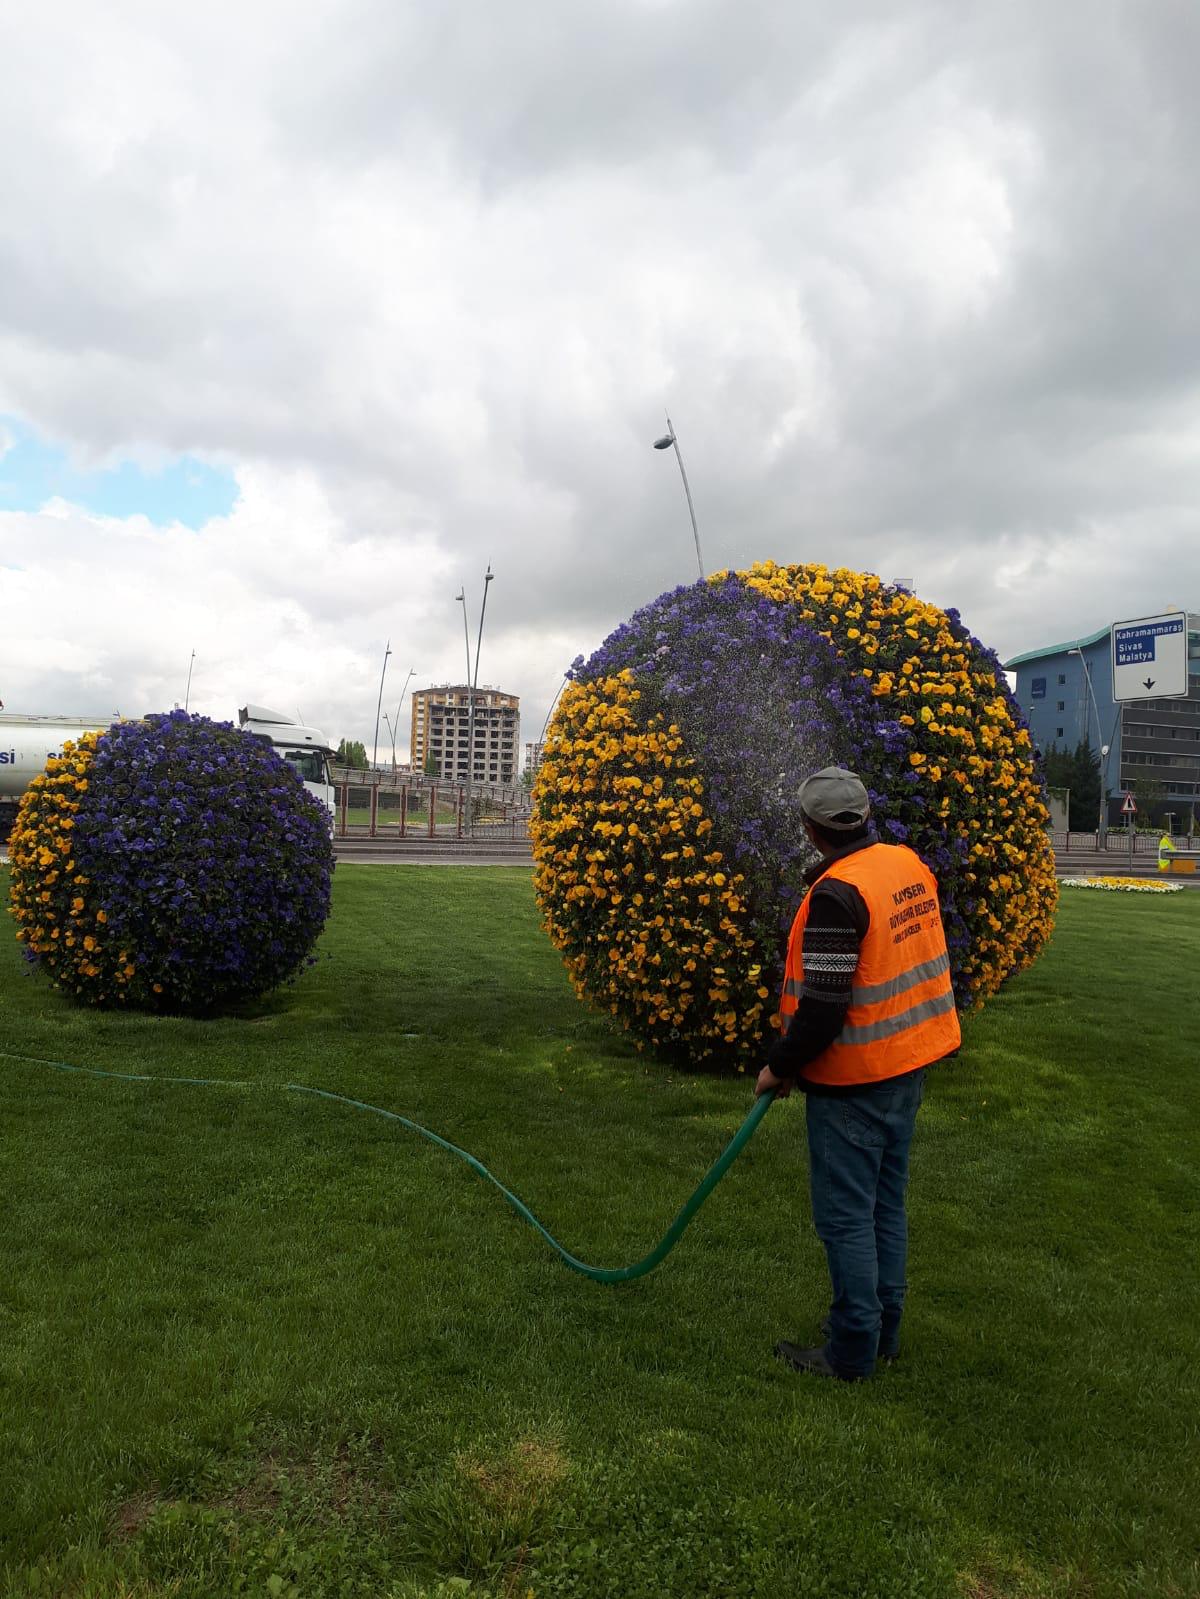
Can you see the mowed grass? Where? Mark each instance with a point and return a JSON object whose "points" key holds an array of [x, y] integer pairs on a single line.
{"points": [[257, 1343], [415, 821]]}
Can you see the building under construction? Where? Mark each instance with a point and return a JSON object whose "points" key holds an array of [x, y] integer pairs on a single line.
{"points": [[441, 719]]}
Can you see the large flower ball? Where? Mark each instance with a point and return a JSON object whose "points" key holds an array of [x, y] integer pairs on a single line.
{"points": [[668, 843], [170, 864]]}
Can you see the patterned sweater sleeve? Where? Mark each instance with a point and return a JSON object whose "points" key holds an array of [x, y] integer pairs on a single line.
{"points": [[833, 935]]}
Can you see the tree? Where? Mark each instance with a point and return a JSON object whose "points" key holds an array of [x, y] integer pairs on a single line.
{"points": [[1151, 796], [353, 753], [1085, 787], [1079, 771], [432, 768], [1059, 769], [1057, 766]]}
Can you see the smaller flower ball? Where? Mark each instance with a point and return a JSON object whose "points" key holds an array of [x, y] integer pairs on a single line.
{"points": [[169, 864]]}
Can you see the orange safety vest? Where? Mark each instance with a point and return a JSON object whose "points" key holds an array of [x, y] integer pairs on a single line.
{"points": [[901, 1012]]}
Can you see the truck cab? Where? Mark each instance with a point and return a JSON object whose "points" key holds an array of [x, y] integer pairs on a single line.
{"points": [[305, 749]]}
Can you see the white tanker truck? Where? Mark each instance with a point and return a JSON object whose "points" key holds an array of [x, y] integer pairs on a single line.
{"points": [[28, 742]]}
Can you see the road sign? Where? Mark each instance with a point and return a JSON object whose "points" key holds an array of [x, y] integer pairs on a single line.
{"points": [[1149, 658], [1130, 806]]}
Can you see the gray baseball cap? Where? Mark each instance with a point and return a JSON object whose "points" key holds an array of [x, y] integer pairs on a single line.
{"points": [[835, 798]]}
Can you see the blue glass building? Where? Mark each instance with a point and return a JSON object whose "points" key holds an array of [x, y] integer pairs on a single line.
{"points": [[1066, 693]]}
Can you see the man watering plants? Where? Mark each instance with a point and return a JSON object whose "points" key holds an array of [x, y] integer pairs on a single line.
{"points": [[867, 1006]]}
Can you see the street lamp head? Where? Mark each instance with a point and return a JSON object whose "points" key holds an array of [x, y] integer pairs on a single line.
{"points": [[665, 442]]}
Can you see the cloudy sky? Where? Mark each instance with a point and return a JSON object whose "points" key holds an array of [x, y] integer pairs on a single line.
{"points": [[307, 313]]}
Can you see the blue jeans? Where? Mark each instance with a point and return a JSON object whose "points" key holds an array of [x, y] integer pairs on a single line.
{"points": [[858, 1153]]}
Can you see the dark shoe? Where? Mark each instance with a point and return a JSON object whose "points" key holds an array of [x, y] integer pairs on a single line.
{"points": [[884, 1357], [812, 1360]]}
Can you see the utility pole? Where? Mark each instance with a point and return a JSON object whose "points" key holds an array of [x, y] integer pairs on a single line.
{"points": [[1102, 820], [379, 707], [399, 709], [472, 684], [462, 599], [667, 442]]}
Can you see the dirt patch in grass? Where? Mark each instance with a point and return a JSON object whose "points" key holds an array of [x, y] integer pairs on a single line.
{"points": [[326, 1484], [1018, 1582], [257, 1497], [522, 1480], [323, 1486], [352, 1477], [132, 1514], [981, 1588]]}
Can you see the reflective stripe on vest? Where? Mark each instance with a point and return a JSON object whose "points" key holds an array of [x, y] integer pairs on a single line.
{"points": [[901, 1013], [794, 987], [897, 985], [872, 1032]]}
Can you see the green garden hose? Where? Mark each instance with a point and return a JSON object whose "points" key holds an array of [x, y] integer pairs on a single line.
{"points": [[599, 1274]]}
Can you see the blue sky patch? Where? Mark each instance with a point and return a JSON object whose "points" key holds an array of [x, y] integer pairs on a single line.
{"points": [[185, 489]]}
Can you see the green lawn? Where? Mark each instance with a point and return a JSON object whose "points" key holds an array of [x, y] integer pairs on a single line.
{"points": [[259, 1344]]}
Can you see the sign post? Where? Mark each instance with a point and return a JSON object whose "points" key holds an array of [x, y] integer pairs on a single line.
{"points": [[1149, 662], [1149, 658], [1129, 811]]}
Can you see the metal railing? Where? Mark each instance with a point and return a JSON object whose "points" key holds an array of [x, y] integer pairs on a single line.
{"points": [[375, 804], [1116, 842]]}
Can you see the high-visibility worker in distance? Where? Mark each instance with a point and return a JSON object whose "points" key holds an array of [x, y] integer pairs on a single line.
{"points": [[867, 1005]]}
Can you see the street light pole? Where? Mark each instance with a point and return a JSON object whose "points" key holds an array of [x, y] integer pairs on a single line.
{"points": [[1106, 751], [379, 705], [462, 596], [188, 691], [1102, 825], [399, 710], [473, 681], [487, 578], [667, 442]]}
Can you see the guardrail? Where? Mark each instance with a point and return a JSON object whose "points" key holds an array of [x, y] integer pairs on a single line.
{"points": [[1116, 843], [383, 805], [419, 782]]}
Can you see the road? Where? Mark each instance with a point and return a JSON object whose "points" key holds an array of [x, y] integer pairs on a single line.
{"points": [[447, 850]]}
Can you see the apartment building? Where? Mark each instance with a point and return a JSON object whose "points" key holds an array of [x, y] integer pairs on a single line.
{"points": [[440, 723]]}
